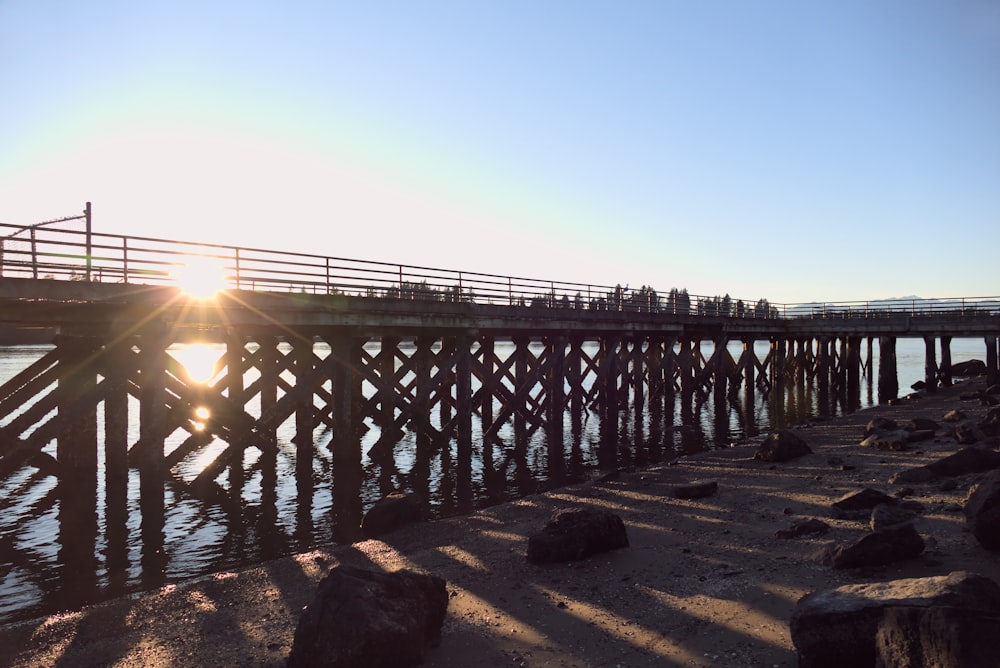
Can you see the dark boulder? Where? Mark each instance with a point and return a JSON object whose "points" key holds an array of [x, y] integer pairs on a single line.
{"points": [[969, 368], [886, 515], [368, 619], [878, 424], [938, 636], [982, 511], [917, 474], [858, 505], [889, 441], [577, 533], [851, 625], [781, 446], [967, 460], [896, 543], [990, 424], [885, 434], [390, 513], [966, 433]]}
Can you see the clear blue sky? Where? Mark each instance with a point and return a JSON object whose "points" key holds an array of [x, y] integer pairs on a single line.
{"points": [[837, 150]]}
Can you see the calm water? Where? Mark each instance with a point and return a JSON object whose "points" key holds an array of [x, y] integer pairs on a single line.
{"points": [[36, 562]]}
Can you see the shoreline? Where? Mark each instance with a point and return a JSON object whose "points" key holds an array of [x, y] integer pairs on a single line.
{"points": [[704, 582]]}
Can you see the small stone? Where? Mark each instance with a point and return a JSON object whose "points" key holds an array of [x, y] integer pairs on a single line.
{"points": [[696, 490]]}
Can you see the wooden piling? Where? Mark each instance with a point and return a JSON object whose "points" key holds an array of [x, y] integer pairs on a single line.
{"points": [[930, 365], [944, 372], [992, 370], [152, 437], [608, 448], [346, 444], [556, 408], [888, 383], [303, 361], [120, 360]]}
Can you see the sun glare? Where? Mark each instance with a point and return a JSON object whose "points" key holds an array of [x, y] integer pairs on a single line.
{"points": [[200, 415], [200, 277], [200, 359]]}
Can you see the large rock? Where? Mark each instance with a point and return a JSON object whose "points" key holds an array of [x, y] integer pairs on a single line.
{"points": [[884, 515], [938, 636], [781, 446], [877, 424], [392, 512], [917, 474], [894, 441], [967, 460], [885, 434], [368, 619], [894, 543], [969, 368], [990, 424], [577, 533], [982, 511], [966, 433], [858, 505], [839, 627]]}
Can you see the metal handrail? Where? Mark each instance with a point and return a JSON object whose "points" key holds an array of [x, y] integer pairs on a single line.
{"points": [[72, 254]]}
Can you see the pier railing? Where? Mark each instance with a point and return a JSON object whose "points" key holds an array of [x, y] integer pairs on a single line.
{"points": [[65, 252]]}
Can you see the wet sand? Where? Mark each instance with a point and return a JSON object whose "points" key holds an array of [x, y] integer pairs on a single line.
{"points": [[704, 582]]}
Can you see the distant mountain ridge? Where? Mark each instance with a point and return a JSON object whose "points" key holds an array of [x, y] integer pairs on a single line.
{"points": [[894, 304]]}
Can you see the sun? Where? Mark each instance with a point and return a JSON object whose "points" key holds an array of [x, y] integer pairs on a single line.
{"points": [[200, 277]]}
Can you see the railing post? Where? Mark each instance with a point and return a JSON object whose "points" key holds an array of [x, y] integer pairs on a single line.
{"points": [[510, 292], [327, 275], [125, 260], [237, 260], [90, 240], [34, 255]]}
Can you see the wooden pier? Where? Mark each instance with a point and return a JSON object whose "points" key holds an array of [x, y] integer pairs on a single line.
{"points": [[392, 363]]}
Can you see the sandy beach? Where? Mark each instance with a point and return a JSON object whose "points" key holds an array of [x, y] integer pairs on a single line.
{"points": [[704, 582]]}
